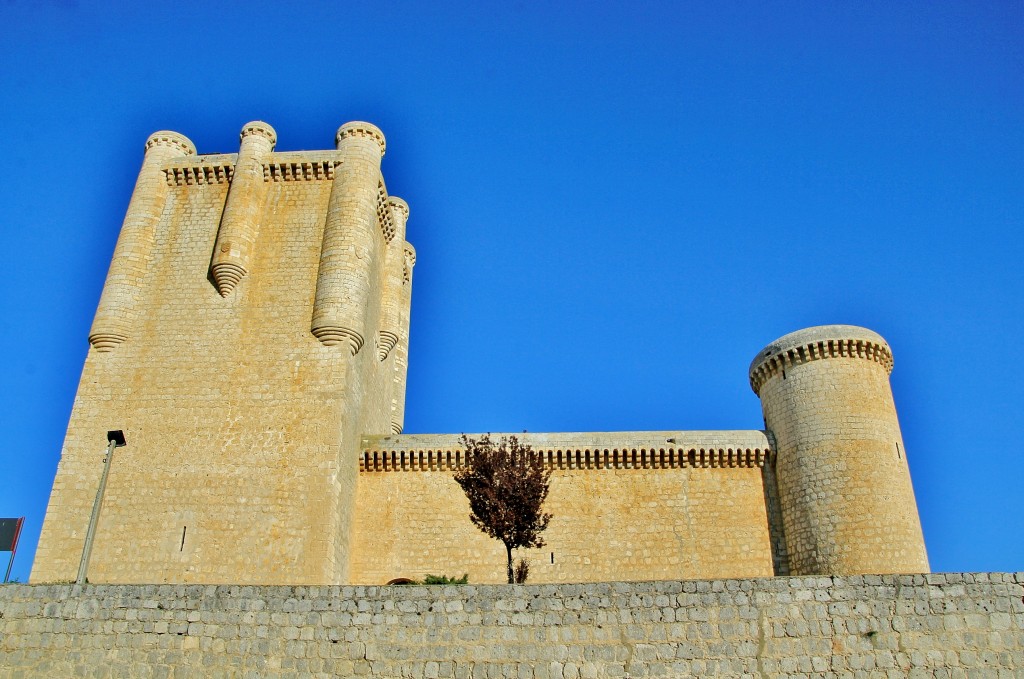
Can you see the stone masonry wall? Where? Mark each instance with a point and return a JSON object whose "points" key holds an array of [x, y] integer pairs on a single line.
{"points": [[606, 523], [228, 347], [227, 404], [644, 511], [937, 625]]}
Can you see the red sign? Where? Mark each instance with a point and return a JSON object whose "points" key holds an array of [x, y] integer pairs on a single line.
{"points": [[10, 529]]}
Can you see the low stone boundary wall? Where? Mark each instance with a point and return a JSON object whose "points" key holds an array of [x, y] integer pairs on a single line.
{"points": [[942, 625]]}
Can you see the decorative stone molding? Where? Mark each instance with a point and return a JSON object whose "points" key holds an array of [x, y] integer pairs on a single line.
{"points": [[384, 219], [450, 459], [275, 171], [330, 335], [385, 343], [299, 170], [106, 341], [191, 175], [289, 166], [227, 275], [386, 206], [445, 452], [812, 344], [358, 128]]}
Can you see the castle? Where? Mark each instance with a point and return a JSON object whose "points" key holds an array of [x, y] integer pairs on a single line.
{"points": [[251, 342]]}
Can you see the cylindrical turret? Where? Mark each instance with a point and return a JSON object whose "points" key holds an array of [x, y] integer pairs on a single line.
{"points": [[116, 311], [239, 224], [347, 256], [844, 486], [394, 263], [402, 347]]}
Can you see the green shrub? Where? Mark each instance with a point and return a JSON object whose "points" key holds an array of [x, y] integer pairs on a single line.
{"points": [[445, 580], [438, 580]]}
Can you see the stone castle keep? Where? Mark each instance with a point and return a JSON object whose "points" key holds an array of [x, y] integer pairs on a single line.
{"points": [[252, 339]]}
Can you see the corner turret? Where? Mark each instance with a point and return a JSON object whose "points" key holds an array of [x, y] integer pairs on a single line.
{"points": [[349, 255], [239, 224], [116, 312]]}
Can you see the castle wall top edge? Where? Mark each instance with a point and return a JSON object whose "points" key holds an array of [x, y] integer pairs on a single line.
{"points": [[735, 439], [62, 590], [317, 155], [813, 335]]}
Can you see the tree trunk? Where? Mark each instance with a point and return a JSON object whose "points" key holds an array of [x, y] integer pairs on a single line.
{"points": [[508, 550]]}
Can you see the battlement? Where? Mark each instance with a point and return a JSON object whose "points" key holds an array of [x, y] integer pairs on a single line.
{"points": [[361, 130], [812, 344], [594, 450], [173, 140], [284, 166]]}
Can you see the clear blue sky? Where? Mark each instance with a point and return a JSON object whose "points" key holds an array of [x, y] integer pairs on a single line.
{"points": [[615, 206]]}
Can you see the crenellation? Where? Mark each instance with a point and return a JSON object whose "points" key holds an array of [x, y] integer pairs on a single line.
{"points": [[179, 143], [298, 169], [361, 130], [451, 457], [206, 173], [805, 346]]}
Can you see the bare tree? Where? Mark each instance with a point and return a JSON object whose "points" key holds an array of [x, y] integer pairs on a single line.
{"points": [[506, 484]]}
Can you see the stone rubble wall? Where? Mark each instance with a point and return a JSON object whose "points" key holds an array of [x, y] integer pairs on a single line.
{"points": [[936, 625]]}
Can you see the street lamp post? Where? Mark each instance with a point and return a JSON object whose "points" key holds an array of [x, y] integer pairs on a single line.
{"points": [[115, 439]]}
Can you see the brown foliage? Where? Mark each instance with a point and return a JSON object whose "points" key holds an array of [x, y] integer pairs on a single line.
{"points": [[506, 484], [522, 571]]}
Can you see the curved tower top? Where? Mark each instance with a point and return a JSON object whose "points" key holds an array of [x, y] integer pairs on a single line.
{"points": [[821, 341]]}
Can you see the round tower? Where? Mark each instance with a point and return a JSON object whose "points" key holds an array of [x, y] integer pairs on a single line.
{"points": [[844, 486], [115, 314], [350, 252], [239, 224]]}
